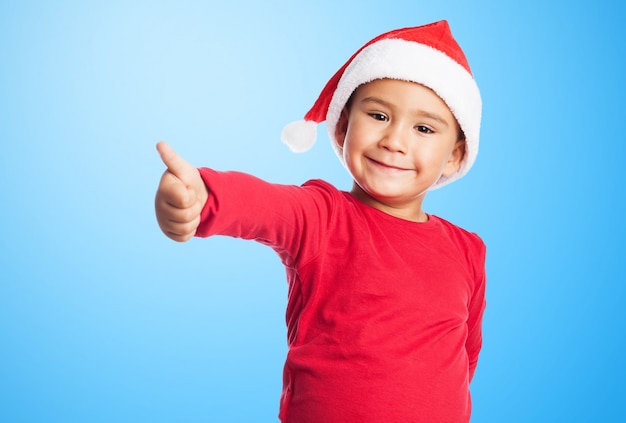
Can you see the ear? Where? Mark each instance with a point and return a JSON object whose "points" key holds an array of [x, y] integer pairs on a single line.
{"points": [[341, 129], [455, 158]]}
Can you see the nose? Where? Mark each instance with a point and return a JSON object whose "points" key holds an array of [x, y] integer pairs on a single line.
{"points": [[394, 139]]}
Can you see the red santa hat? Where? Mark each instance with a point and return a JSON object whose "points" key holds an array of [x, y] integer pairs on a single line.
{"points": [[428, 55]]}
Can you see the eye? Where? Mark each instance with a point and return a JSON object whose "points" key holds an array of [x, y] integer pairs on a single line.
{"points": [[379, 116], [424, 129]]}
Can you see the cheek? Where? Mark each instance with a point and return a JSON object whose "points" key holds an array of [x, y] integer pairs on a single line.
{"points": [[348, 159], [431, 157], [426, 152], [349, 146], [351, 159]]}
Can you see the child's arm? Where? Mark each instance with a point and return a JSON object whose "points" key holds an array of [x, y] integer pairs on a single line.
{"points": [[180, 197], [476, 312], [204, 202]]}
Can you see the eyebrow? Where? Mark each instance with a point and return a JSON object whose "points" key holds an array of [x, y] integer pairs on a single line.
{"points": [[420, 112]]}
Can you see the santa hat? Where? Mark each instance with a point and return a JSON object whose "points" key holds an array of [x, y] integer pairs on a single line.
{"points": [[428, 55]]}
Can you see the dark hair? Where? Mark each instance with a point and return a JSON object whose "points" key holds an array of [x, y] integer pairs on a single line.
{"points": [[461, 136]]}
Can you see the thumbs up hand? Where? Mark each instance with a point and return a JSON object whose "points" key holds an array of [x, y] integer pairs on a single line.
{"points": [[180, 197]]}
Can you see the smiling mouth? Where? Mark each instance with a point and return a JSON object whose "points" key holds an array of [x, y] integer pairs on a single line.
{"points": [[387, 167]]}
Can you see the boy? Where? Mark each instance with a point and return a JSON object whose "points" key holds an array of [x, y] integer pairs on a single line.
{"points": [[385, 301]]}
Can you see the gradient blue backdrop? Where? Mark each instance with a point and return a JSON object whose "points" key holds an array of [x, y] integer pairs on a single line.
{"points": [[103, 319]]}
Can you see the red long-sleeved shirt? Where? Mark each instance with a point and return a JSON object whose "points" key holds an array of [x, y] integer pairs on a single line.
{"points": [[383, 315]]}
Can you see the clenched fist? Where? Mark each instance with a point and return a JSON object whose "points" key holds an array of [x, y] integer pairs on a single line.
{"points": [[180, 197]]}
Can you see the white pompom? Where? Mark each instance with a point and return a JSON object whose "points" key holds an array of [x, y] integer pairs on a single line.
{"points": [[300, 135]]}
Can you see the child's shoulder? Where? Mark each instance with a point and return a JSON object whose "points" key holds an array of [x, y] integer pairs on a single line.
{"points": [[460, 234], [321, 185], [325, 191]]}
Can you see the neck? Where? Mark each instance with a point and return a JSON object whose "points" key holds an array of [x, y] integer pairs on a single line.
{"points": [[408, 210]]}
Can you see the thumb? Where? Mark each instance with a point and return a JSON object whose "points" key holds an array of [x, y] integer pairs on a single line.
{"points": [[176, 165]]}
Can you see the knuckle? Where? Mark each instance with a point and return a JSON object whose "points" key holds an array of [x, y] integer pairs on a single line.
{"points": [[187, 215], [189, 228]]}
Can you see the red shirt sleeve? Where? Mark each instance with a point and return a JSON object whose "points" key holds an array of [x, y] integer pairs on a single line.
{"points": [[280, 216], [475, 313]]}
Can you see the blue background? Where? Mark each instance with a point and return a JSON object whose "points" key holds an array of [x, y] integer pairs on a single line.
{"points": [[103, 319]]}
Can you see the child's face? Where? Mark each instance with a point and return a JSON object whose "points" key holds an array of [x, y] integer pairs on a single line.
{"points": [[398, 138]]}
